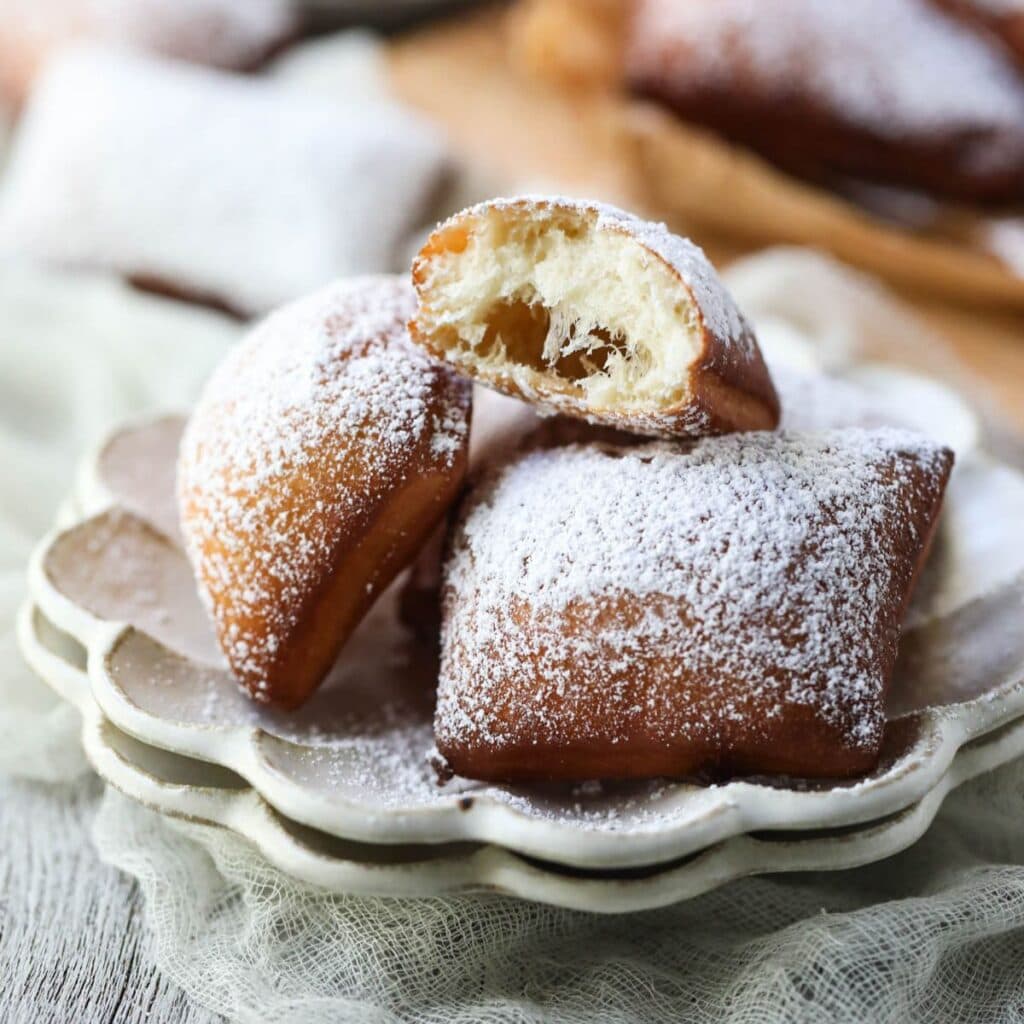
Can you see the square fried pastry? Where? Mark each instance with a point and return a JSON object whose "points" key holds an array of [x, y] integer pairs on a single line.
{"points": [[731, 606], [209, 185]]}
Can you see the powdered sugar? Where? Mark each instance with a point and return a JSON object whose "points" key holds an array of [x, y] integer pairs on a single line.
{"points": [[299, 434], [716, 306], [222, 185], [219, 32], [772, 566], [897, 66], [1004, 238]]}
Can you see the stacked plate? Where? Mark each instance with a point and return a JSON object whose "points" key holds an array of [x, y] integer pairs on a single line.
{"points": [[345, 794]]}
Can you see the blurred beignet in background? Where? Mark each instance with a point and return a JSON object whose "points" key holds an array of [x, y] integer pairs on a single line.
{"points": [[324, 451], [894, 91], [589, 311], [207, 185], [732, 606], [221, 33]]}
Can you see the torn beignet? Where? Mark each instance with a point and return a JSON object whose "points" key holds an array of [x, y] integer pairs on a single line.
{"points": [[592, 312]]}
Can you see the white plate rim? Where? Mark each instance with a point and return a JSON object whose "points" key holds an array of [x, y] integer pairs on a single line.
{"points": [[740, 807], [489, 868]]}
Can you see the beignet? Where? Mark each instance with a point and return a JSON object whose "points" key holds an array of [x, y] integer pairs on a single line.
{"points": [[322, 454], [731, 607], [208, 184], [587, 310], [894, 91]]}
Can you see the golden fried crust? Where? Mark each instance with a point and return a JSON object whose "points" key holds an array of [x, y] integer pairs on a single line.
{"points": [[322, 455], [650, 340], [764, 645]]}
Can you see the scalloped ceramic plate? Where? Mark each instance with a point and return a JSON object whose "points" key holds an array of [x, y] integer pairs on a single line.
{"points": [[353, 762], [205, 793]]}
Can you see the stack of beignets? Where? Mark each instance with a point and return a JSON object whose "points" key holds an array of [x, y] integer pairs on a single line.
{"points": [[612, 606]]}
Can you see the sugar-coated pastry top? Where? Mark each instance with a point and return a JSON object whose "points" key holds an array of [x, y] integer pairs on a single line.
{"points": [[893, 64], [769, 566], [1003, 18], [587, 310], [301, 435], [213, 184], [901, 70], [223, 33]]}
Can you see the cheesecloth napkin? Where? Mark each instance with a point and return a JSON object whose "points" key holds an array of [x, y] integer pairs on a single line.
{"points": [[934, 934]]}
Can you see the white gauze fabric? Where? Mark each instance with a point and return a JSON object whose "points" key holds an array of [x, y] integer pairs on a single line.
{"points": [[936, 933]]}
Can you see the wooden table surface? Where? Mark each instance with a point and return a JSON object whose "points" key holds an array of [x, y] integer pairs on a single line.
{"points": [[72, 934]]}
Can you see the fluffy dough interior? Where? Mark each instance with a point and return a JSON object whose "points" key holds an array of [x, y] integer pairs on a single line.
{"points": [[585, 311]]}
